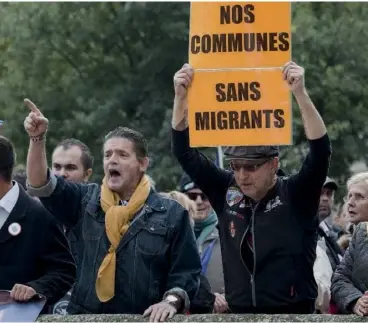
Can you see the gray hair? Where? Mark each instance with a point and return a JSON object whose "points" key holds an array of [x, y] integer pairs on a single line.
{"points": [[357, 179]]}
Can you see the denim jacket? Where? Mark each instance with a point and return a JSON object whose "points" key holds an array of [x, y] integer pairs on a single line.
{"points": [[156, 256]]}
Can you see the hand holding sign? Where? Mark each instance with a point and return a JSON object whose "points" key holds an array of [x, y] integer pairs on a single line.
{"points": [[35, 124], [182, 80], [22, 293], [294, 75]]}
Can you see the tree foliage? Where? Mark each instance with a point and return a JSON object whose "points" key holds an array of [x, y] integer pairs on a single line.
{"points": [[93, 66]]}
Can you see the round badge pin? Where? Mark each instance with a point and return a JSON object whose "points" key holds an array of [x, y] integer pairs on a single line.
{"points": [[15, 229]]}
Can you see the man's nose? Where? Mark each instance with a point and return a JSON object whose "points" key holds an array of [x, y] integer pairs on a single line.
{"points": [[63, 173], [113, 159], [243, 174], [324, 197], [199, 199]]}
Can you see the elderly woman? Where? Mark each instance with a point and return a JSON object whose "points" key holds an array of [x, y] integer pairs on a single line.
{"points": [[350, 281]]}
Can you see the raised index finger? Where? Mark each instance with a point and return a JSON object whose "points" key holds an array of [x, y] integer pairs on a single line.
{"points": [[32, 106]]}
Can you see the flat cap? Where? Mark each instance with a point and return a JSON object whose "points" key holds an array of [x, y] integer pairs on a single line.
{"points": [[329, 182], [251, 152]]}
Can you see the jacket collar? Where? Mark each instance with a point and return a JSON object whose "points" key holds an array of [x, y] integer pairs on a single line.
{"points": [[17, 215]]}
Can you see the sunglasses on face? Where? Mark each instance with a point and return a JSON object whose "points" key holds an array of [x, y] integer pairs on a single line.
{"points": [[194, 196], [238, 165]]}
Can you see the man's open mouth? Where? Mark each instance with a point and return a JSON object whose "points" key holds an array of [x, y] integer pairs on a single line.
{"points": [[114, 173]]}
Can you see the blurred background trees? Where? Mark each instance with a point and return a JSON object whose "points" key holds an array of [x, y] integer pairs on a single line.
{"points": [[93, 66]]}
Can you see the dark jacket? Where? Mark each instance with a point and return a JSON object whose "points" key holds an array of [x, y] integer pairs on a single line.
{"points": [[278, 278], [61, 306], [350, 280], [157, 254], [39, 256], [72, 237]]}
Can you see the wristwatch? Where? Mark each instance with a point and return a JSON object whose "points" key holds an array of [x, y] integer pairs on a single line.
{"points": [[174, 301]]}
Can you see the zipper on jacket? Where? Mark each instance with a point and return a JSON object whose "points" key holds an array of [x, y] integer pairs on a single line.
{"points": [[250, 274], [254, 256], [252, 282]]}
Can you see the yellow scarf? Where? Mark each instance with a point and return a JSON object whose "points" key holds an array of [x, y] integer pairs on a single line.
{"points": [[117, 219]]}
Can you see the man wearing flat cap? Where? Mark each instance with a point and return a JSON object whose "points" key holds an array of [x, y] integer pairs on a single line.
{"points": [[267, 222], [325, 230], [326, 201]]}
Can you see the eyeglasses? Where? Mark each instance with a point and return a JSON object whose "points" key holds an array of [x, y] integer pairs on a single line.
{"points": [[193, 196], [237, 166]]}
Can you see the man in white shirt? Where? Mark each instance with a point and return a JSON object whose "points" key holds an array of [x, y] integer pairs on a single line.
{"points": [[34, 253]]}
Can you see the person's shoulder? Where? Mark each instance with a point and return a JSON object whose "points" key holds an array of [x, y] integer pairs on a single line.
{"points": [[84, 186], [38, 212], [361, 231], [167, 208], [169, 203], [90, 193]]}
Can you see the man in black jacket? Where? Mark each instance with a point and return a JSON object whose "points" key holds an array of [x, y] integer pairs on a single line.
{"points": [[72, 160], [268, 222], [34, 253], [326, 228]]}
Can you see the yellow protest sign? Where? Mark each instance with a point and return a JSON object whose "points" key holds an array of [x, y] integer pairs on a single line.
{"points": [[239, 34], [238, 96], [239, 108]]}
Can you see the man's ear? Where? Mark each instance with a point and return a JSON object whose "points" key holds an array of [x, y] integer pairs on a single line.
{"points": [[87, 174], [276, 164], [144, 162]]}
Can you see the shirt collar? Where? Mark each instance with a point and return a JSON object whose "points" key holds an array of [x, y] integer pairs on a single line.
{"points": [[10, 199]]}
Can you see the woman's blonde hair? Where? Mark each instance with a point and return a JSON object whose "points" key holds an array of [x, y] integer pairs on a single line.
{"points": [[184, 201], [358, 178]]}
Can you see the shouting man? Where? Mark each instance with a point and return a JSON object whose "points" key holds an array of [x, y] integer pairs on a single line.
{"points": [[139, 251], [139, 254], [267, 222]]}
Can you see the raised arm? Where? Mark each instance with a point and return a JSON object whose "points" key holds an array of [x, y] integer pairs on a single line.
{"points": [[200, 169], [61, 198], [313, 124], [309, 180], [36, 126]]}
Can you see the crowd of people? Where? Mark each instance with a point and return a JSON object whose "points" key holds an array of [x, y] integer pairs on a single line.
{"points": [[246, 238]]}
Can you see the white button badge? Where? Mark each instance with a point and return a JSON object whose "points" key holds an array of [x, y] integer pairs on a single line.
{"points": [[14, 229]]}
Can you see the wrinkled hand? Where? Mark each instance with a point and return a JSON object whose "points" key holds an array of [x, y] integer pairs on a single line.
{"points": [[22, 293], [160, 312], [361, 306], [182, 81], [35, 124], [220, 305], [294, 75]]}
